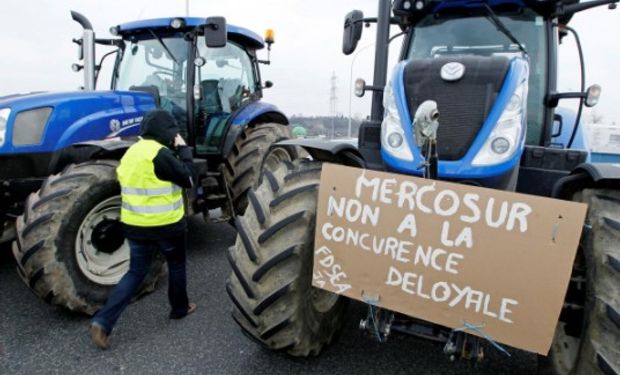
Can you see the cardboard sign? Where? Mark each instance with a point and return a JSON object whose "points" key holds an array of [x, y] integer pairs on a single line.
{"points": [[447, 253]]}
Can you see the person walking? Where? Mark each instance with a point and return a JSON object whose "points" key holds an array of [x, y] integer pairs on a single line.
{"points": [[152, 177]]}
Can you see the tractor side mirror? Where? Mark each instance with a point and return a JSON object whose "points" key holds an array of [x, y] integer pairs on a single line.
{"points": [[352, 31], [216, 32], [593, 94], [590, 97]]}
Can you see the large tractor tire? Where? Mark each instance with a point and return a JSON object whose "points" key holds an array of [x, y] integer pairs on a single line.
{"points": [[587, 338], [243, 165], [70, 248], [271, 283]]}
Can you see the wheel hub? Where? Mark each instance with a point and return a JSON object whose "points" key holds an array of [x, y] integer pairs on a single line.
{"points": [[101, 251], [107, 236]]}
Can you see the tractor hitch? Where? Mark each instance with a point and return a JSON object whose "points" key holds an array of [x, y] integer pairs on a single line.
{"points": [[464, 346], [378, 322]]}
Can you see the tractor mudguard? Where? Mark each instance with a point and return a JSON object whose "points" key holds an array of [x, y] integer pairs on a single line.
{"points": [[108, 145], [602, 175], [257, 112], [231, 136], [111, 148], [328, 151], [252, 113]]}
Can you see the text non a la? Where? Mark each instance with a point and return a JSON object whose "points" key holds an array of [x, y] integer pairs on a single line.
{"points": [[408, 225], [463, 238], [353, 210]]}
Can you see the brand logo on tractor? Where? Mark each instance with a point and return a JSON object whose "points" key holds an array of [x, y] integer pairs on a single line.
{"points": [[115, 125], [452, 71]]}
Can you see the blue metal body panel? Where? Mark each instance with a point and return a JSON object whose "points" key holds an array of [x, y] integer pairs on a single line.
{"points": [[568, 124], [252, 111], [78, 116], [85, 116], [462, 168], [190, 22]]}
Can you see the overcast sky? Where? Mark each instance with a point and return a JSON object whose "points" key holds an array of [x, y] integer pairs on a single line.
{"points": [[35, 38]]}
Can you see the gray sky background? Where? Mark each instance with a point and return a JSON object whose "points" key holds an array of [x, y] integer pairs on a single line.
{"points": [[35, 40]]}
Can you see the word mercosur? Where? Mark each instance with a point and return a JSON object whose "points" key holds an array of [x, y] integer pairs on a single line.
{"points": [[427, 199]]}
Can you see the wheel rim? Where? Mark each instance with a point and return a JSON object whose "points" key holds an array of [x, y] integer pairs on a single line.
{"points": [[565, 349], [101, 250], [276, 156], [323, 300]]}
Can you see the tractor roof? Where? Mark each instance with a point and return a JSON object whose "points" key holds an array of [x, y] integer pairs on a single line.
{"points": [[545, 8], [236, 33]]}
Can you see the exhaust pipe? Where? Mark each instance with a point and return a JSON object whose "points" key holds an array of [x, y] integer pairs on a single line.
{"points": [[87, 50], [381, 58]]}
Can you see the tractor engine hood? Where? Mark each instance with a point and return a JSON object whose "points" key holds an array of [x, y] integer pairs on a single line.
{"points": [[481, 99], [46, 122]]}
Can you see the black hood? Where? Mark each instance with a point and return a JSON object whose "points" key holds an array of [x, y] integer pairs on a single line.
{"points": [[160, 126]]}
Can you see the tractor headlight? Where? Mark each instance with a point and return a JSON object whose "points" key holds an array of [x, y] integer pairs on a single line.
{"points": [[505, 137], [395, 140], [500, 145], [29, 126], [4, 118], [392, 135]]}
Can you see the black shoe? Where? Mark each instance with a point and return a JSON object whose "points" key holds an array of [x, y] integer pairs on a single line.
{"points": [[190, 309]]}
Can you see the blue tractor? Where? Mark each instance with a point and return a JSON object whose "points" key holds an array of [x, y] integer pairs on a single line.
{"points": [[59, 151], [486, 71]]}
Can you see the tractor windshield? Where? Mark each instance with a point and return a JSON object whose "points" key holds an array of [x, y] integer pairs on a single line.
{"points": [[157, 65], [457, 35]]}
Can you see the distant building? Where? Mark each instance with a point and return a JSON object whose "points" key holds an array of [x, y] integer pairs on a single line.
{"points": [[603, 141]]}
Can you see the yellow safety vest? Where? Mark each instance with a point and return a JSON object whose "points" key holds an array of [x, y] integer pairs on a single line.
{"points": [[147, 201]]}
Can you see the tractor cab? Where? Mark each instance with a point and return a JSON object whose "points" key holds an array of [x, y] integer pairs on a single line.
{"points": [[200, 82]]}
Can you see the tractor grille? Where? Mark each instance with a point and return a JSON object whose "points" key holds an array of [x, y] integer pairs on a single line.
{"points": [[463, 104]]}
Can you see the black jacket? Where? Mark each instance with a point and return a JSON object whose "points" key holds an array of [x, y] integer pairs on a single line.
{"points": [[170, 165]]}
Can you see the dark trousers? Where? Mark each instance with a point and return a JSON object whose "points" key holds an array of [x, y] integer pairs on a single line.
{"points": [[141, 255]]}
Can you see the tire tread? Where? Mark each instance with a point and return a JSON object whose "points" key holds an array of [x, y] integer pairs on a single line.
{"points": [[36, 248], [281, 315]]}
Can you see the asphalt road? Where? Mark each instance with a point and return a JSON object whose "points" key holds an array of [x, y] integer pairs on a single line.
{"points": [[36, 338]]}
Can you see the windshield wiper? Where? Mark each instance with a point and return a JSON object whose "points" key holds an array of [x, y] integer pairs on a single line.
{"points": [[163, 45], [492, 17]]}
